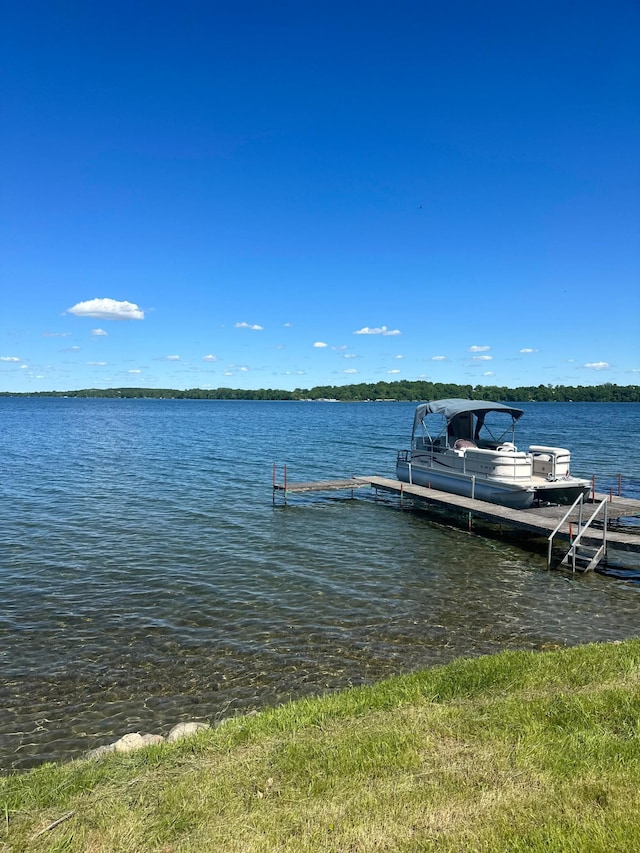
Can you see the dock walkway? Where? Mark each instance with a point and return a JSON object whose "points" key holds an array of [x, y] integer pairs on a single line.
{"points": [[537, 519], [318, 486]]}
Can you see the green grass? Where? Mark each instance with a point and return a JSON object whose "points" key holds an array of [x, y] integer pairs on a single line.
{"points": [[514, 752]]}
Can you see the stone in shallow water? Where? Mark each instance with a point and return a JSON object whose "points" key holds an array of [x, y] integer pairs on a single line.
{"points": [[134, 740], [101, 751], [150, 740], [129, 742], [182, 730]]}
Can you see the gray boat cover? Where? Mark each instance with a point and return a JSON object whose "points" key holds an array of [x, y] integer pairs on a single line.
{"points": [[452, 407]]}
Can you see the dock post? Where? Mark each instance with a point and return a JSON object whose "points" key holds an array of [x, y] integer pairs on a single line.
{"points": [[580, 505]]}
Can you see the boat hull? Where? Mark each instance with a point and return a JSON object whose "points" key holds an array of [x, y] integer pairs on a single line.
{"points": [[483, 489], [562, 492]]}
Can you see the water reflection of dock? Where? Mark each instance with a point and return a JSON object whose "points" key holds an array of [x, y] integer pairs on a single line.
{"points": [[540, 523]]}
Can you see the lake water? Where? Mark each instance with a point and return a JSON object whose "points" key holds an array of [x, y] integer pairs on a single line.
{"points": [[146, 578]]}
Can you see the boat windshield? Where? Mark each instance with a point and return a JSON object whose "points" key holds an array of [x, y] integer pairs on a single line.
{"points": [[483, 427]]}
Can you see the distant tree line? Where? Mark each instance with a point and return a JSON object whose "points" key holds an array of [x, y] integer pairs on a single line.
{"points": [[402, 390]]}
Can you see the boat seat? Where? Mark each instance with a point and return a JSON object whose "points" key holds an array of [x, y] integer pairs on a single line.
{"points": [[463, 443]]}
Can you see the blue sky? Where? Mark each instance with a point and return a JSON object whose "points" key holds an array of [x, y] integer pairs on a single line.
{"points": [[284, 195]]}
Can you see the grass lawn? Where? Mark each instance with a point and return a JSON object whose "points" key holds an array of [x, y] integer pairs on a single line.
{"points": [[518, 751]]}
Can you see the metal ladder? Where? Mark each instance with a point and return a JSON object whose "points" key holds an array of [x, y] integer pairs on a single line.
{"points": [[581, 556]]}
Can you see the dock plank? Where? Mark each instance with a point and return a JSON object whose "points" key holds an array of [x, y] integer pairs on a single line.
{"points": [[320, 485]]}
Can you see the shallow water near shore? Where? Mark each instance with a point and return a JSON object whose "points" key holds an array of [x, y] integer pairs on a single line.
{"points": [[146, 578]]}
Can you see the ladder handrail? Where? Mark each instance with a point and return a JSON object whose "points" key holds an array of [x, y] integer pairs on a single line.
{"points": [[582, 529], [602, 550], [596, 512], [578, 500]]}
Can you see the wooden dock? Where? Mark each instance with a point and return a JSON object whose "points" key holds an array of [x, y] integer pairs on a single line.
{"points": [[318, 486], [537, 522]]}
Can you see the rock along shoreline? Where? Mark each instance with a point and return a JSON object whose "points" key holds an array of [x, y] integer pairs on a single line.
{"points": [[134, 740]]}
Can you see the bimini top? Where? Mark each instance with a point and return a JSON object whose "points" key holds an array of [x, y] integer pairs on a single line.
{"points": [[450, 408]]}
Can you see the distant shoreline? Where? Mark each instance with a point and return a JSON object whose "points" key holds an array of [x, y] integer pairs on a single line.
{"points": [[378, 392]]}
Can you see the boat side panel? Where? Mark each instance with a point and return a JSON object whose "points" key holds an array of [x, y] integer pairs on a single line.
{"points": [[513, 496], [509, 465]]}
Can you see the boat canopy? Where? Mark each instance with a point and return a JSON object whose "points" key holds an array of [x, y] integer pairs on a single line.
{"points": [[452, 407]]}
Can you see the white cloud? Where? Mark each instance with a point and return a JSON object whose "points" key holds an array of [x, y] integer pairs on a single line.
{"points": [[399, 356], [528, 349], [476, 348], [488, 373], [393, 371], [56, 334], [135, 370], [24, 367], [483, 358], [172, 358], [438, 358], [209, 358], [320, 344], [598, 365], [98, 332], [288, 325], [107, 309], [97, 363], [255, 326], [382, 330], [349, 355], [9, 358], [350, 370]]}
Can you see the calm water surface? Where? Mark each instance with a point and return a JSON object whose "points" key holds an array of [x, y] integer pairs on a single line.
{"points": [[145, 577]]}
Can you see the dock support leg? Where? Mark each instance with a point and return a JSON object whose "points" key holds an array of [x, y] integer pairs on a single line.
{"points": [[273, 484]]}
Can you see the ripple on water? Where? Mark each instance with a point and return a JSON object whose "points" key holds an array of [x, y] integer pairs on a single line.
{"points": [[147, 579]]}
